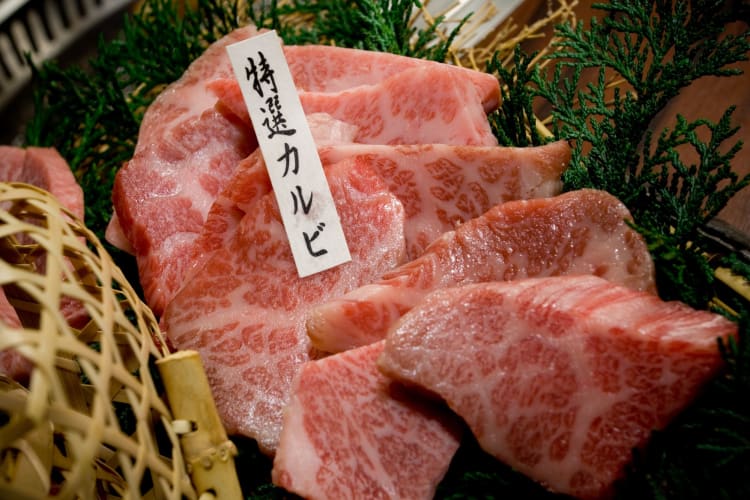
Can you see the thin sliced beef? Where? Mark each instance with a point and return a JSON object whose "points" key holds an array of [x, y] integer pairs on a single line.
{"points": [[439, 185], [394, 111], [43, 168], [47, 169], [244, 311], [442, 186], [185, 153], [189, 144], [558, 377], [580, 232], [349, 433], [400, 111], [319, 68], [248, 183]]}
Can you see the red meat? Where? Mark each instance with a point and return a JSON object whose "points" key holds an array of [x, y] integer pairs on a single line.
{"points": [[190, 141], [47, 169], [559, 377], [245, 310], [186, 152], [439, 185], [349, 433], [581, 232]]}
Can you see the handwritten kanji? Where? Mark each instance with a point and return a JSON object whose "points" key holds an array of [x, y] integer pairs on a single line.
{"points": [[260, 74], [310, 239], [276, 122]]}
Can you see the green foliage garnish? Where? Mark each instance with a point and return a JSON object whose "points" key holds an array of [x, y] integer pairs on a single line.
{"points": [[653, 50], [514, 123], [379, 25]]}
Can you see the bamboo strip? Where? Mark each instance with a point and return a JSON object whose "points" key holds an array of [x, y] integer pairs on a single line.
{"points": [[208, 451]]}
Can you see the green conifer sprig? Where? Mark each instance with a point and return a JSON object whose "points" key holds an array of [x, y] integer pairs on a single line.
{"points": [[652, 49]]}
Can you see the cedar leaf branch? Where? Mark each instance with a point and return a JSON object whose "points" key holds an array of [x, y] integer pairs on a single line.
{"points": [[607, 83], [379, 25]]}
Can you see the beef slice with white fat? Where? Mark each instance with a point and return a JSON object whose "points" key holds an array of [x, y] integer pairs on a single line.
{"points": [[580, 232], [559, 377], [245, 309], [350, 432]]}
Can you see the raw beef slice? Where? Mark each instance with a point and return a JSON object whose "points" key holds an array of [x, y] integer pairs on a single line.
{"points": [[185, 153], [47, 169], [400, 111], [188, 146], [580, 232], [394, 111], [244, 311], [44, 168], [349, 433], [248, 183], [558, 377], [324, 68], [440, 186]]}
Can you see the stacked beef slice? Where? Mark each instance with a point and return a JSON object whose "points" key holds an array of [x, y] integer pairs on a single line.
{"points": [[478, 295]]}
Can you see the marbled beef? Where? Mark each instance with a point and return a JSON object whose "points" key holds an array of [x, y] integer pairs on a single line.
{"points": [[394, 111], [580, 232], [185, 153], [334, 69], [189, 145], [558, 377], [47, 169], [248, 183], [245, 309], [439, 185], [44, 168], [349, 433]]}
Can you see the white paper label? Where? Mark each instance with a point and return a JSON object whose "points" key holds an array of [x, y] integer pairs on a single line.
{"points": [[299, 184]]}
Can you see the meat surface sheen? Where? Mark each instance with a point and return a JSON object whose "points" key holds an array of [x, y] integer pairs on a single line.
{"points": [[439, 185], [442, 186], [349, 432], [190, 141], [44, 168], [248, 183], [399, 111], [559, 377], [580, 232], [185, 153], [47, 169], [244, 310], [324, 68], [394, 111]]}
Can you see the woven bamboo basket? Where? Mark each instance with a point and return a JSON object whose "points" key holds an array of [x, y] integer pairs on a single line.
{"points": [[90, 419]]}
